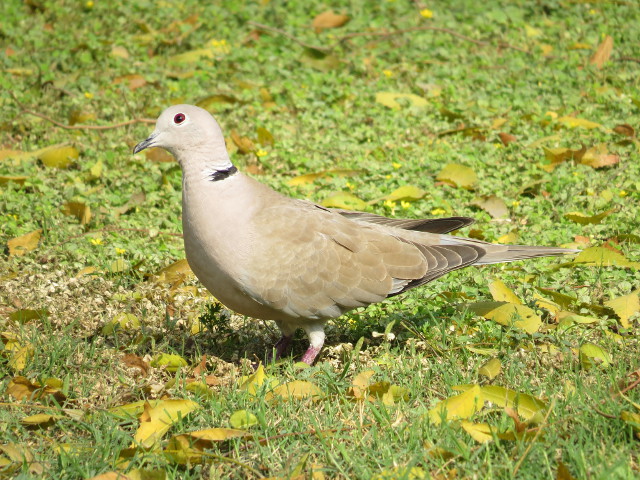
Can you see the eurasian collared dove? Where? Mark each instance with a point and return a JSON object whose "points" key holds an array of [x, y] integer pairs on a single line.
{"points": [[269, 256]]}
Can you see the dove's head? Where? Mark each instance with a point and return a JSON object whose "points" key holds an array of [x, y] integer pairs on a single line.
{"points": [[191, 134]]}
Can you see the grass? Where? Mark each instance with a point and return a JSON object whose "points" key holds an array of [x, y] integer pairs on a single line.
{"points": [[71, 60]]}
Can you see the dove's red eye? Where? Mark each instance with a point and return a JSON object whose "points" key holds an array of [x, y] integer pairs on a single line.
{"points": [[179, 118]]}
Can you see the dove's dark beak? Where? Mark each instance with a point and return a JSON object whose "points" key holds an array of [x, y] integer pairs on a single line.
{"points": [[145, 143]]}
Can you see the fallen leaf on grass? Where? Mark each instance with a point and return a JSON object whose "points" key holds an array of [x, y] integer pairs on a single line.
{"points": [[297, 389], [632, 419], [501, 293], [491, 369], [189, 448], [60, 157], [244, 144], [25, 315], [603, 53], [592, 355], [158, 155], [463, 405], [493, 205], [134, 361], [598, 156], [344, 200], [132, 410], [23, 244], [480, 432], [176, 272], [121, 322], [508, 238], [360, 383], [404, 473], [625, 307], [252, 384], [458, 176], [583, 219], [265, 138], [407, 193], [79, 210], [625, 129], [390, 100], [308, 178], [600, 256], [556, 156], [210, 102], [573, 122], [508, 314], [16, 179], [42, 420], [327, 20], [507, 138], [171, 362], [21, 388], [242, 419], [132, 81], [156, 421]]}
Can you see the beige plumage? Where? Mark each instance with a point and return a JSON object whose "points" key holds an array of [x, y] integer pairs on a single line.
{"points": [[269, 256]]}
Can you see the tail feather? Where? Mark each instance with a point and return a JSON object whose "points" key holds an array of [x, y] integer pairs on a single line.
{"points": [[511, 253]]}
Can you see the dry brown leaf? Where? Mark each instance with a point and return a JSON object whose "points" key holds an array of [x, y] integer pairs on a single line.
{"points": [[603, 52], [329, 19], [244, 144], [19, 246], [507, 138], [21, 388], [625, 129], [134, 361], [132, 81]]}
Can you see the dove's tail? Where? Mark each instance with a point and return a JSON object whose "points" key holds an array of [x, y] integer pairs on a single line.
{"points": [[511, 253]]}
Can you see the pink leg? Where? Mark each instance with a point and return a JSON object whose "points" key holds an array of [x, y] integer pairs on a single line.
{"points": [[310, 355], [316, 340]]}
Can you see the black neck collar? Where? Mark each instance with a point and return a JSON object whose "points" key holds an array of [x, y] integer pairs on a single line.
{"points": [[222, 174]]}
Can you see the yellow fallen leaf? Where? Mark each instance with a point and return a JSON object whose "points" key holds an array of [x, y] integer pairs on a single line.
{"points": [[16, 179], [592, 355], [156, 421], [344, 200], [23, 244], [600, 256], [79, 210], [501, 293], [176, 272], [491, 369], [625, 307], [508, 314], [60, 157], [480, 432], [295, 389], [457, 406], [573, 122], [583, 219], [458, 176], [312, 177], [390, 99]]}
